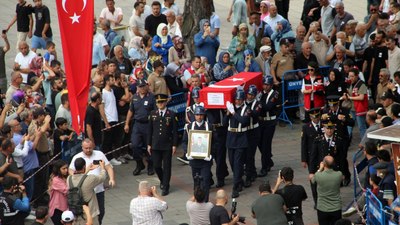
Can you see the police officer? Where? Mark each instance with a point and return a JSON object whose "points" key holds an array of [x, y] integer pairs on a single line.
{"points": [[237, 119], [142, 104], [253, 134], [162, 140], [343, 119], [201, 168], [309, 133], [268, 100]]}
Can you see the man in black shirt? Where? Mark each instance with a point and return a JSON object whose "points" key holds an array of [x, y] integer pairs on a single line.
{"points": [[23, 17], [292, 194], [43, 32], [379, 61], [218, 214], [152, 21], [93, 119]]}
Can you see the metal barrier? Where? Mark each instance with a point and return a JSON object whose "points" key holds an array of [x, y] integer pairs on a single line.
{"points": [[178, 105], [391, 217], [290, 91], [357, 168], [375, 214]]}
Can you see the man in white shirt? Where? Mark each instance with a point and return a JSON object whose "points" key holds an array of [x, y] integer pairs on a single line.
{"points": [[111, 13], [23, 60], [393, 56], [173, 26], [328, 14], [136, 22], [100, 39], [169, 5], [147, 9], [273, 18]]}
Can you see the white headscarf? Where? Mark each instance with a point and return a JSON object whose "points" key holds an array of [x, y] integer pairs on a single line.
{"points": [[164, 39]]}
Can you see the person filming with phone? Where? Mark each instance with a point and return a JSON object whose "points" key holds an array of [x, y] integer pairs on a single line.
{"points": [[14, 202]]}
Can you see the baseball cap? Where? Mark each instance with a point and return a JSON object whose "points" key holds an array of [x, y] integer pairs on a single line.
{"points": [[67, 216]]}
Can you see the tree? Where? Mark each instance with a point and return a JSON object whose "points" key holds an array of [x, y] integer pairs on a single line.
{"points": [[194, 11]]}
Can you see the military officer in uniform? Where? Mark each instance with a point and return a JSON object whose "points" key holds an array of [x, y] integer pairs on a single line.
{"points": [[162, 140], [201, 167], [343, 119], [310, 132], [253, 134], [237, 119], [269, 100], [142, 104]]}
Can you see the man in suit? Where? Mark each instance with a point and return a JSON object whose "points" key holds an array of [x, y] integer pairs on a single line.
{"points": [[309, 132], [162, 140]]}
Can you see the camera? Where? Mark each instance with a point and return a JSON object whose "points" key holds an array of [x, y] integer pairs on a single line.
{"points": [[242, 219]]}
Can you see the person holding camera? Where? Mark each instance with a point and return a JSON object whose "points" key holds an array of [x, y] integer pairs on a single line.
{"points": [[274, 213], [198, 209], [147, 208], [218, 214], [14, 202]]}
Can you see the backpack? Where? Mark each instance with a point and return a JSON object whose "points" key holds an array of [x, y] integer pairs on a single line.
{"points": [[75, 198]]}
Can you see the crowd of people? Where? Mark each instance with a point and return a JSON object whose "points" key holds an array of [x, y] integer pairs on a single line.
{"points": [[134, 75]]}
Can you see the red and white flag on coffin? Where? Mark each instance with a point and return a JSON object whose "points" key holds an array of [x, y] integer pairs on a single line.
{"points": [[76, 28]]}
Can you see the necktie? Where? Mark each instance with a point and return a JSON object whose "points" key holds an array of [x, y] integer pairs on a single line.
{"points": [[161, 113], [329, 141], [317, 127]]}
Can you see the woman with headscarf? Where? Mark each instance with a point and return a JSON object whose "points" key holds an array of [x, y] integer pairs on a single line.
{"points": [[162, 42], [248, 64], [335, 84], [136, 51], [118, 40], [206, 44], [224, 68], [180, 53], [282, 30], [242, 41], [172, 77], [264, 9]]}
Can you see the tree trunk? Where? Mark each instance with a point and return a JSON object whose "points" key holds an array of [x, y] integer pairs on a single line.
{"points": [[194, 11]]}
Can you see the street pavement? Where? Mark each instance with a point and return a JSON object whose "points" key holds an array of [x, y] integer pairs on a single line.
{"points": [[286, 143]]}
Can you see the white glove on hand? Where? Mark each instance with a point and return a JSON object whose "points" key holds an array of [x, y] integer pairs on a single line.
{"points": [[189, 157], [229, 107], [208, 158], [201, 103]]}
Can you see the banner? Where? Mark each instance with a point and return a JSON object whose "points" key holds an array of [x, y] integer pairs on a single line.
{"points": [[396, 161], [76, 19]]}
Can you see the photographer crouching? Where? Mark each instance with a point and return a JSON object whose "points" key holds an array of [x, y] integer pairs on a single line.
{"points": [[218, 214], [13, 202]]}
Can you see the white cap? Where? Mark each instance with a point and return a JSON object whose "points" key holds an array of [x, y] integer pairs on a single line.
{"points": [[67, 216], [265, 48]]}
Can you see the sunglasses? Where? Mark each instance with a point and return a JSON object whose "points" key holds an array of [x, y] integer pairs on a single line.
{"points": [[311, 70]]}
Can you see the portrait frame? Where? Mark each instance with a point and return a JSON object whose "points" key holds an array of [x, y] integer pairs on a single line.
{"points": [[199, 144]]}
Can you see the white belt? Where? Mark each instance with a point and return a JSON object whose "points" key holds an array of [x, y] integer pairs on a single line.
{"points": [[254, 126], [236, 130], [268, 118]]}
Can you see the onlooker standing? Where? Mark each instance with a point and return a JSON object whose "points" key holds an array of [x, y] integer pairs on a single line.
{"points": [[239, 11], [16, 81], [111, 13], [148, 206], [173, 26], [283, 8], [162, 42], [341, 18], [23, 17], [329, 203], [93, 120], [58, 189], [152, 21], [328, 14], [23, 60], [205, 44], [43, 32], [136, 22], [393, 56], [156, 80], [15, 208]]}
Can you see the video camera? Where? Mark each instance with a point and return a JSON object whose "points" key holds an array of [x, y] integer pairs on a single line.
{"points": [[242, 219]]}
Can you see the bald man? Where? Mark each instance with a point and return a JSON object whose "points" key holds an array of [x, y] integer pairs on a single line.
{"points": [[23, 60], [218, 214], [16, 81], [329, 203]]}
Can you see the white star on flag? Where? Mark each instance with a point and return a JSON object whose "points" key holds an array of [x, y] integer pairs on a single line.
{"points": [[75, 18]]}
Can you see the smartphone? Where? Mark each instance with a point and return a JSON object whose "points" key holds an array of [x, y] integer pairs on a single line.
{"points": [[96, 162], [9, 160], [4, 31]]}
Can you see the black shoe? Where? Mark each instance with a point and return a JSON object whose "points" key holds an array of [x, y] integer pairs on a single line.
{"points": [[150, 171], [253, 178], [139, 167], [346, 182], [165, 192], [247, 183], [212, 182], [235, 194], [240, 187], [220, 184], [161, 186], [263, 173]]}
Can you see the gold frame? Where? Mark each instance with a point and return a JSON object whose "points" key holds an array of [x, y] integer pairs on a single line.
{"points": [[194, 153]]}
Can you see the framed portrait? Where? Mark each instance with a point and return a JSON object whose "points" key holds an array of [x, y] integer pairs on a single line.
{"points": [[199, 146]]}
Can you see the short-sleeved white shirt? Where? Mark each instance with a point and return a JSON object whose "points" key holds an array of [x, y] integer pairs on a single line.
{"points": [[24, 62], [110, 105], [136, 22], [99, 38], [96, 155], [106, 14]]}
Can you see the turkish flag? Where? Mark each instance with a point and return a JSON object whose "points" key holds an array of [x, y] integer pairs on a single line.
{"points": [[76, 28]]}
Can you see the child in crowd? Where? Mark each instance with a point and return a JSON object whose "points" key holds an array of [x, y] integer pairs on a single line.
{"points": [[50, 54]]}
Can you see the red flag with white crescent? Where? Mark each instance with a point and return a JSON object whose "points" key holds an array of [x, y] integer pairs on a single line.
{"points": [[75, 18]]}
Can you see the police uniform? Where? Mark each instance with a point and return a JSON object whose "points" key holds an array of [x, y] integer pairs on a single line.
{"points": [[237, 141], [253, 136], [267, 120], [341, 130], [218, 148], [141, 108], [309, 133], [189, 113], [200, 167], [162, 137]]}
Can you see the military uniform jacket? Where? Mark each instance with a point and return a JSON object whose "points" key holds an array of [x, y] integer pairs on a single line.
{"points": [[341, 126], [163, 131], [321, 148], [308, 135], [185, 141], [268, 103], [255, 110], [237, 127]]}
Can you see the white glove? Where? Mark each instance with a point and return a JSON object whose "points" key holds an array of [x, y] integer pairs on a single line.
{"points": [[189, 157], [229, 107], [208, 158], [201, 103]]}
